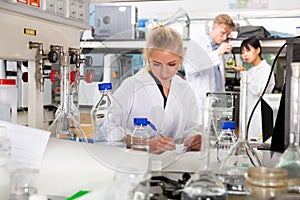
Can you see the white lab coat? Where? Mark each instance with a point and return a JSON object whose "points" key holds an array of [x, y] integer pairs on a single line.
{"points": [[258, 77], [141, 97], [200, 61]]}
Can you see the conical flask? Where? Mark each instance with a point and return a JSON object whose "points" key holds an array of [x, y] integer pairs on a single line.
{"points": [[204, 184], [73, 109], [290, 159], [65, 125], [241, 155]]}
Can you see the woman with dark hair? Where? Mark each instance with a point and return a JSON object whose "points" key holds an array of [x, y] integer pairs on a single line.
{"points": [[258, 76]]}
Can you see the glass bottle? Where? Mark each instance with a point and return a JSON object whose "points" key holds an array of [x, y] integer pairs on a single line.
{"points": [[140, 138], [107, 117], [290, 159], [226, 138], [241, 155]]}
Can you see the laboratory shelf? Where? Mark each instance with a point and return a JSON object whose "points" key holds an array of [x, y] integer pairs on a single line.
{"points": [[113, 46], [269, 45]]}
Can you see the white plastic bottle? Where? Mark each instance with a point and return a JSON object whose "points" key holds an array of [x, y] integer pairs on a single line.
{"points": [[107, 118], [140, 138], [9, 99]]}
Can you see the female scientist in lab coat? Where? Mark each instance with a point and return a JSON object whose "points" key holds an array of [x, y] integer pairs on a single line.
{"points": [[157, 93], [258, 76]]}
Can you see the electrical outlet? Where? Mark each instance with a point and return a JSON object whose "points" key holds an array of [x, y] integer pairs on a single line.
{"points": [[60, 7], [80, 10], [49, 5]]}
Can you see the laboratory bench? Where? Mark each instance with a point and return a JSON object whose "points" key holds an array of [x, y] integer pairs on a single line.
{"points": [[68, 167]]}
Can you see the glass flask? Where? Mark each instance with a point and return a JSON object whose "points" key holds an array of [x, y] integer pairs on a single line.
{"points": [[140, 137], [241, 155], [107, 117], [204, 184], [230, 60], [73, 109], [65, 124], [290, 159]]}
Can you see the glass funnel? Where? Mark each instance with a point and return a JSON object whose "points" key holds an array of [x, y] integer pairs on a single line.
{"points": [[204, 184], [241, 155], [65, 125], [290, 159]]}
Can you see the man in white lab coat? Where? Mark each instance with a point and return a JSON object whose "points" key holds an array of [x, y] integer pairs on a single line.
{"points": [[203, 64]]}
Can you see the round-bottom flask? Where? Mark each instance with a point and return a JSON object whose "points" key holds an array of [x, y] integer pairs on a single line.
{"points": [[204, 185]]}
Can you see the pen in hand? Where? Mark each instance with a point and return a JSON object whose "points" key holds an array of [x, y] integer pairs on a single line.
{"points": [[155, 129]]}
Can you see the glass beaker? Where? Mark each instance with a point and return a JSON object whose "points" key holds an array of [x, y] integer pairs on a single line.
{"points": [[24, 183], [241, 155], [290, 159]]}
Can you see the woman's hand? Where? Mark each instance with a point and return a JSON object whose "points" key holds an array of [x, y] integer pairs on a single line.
{"points": [[161, 144], [193, 143], [239, 68]]}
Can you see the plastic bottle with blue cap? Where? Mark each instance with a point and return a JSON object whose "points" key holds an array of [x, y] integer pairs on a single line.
{"points": [[107, 119], [140, 138]]}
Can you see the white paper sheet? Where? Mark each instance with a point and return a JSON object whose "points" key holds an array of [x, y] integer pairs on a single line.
{"points": [[27, 145]]}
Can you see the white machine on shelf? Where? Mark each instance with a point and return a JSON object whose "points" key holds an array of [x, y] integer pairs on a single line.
{"points": [[43, 23]]}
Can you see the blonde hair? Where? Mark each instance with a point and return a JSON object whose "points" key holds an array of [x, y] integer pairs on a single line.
{"points": [[164, 38], [226, 20]]}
